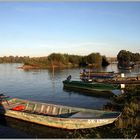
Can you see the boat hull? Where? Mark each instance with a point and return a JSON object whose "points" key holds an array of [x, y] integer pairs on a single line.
{"points": [[80, 119], [59, 122], [98, 89]]}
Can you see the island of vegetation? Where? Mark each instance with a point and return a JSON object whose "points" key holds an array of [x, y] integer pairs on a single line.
{"points": [[58, 60], [127, 59]]}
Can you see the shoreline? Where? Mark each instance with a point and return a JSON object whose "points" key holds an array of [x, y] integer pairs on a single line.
{"points": [[28, 67]]}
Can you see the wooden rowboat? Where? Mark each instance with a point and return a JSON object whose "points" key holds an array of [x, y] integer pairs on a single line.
{"points": [[56, 115]]}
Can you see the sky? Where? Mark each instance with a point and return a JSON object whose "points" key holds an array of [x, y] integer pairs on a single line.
{"points": [[40, 28]]}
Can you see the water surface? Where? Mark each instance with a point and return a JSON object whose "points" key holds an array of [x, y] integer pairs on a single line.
{"points": [[44, 86]]}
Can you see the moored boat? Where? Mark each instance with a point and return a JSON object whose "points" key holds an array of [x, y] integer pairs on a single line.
{"points": [[93, 74], [56, 115], [125, 68], [101, 89]]}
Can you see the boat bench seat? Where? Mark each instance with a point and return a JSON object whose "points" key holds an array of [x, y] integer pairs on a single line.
{"points": [[84, 115]]}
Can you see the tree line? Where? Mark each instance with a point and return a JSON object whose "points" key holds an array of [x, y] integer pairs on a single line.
{"points": [[58, 59], [14, 59]]}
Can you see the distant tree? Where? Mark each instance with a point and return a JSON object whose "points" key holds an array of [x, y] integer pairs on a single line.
{"points": [[83, 62], [124, 57], [94, 58], [136, 57], [104, 61], [74, 59]]}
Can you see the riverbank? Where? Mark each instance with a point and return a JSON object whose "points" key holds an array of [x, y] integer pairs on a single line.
{"points": [[127, 126], [28, 67]]}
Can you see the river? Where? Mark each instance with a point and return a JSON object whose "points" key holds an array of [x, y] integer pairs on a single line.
{"points": [[46, 86]]}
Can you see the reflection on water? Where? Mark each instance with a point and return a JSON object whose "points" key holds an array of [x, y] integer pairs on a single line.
{"points": [[38, 131], [2, 117], [100, 95]]}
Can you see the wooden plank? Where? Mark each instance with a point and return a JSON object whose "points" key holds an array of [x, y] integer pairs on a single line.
{"points": [[34, 109]]}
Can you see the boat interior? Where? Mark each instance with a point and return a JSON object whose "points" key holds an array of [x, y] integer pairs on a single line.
{"points": [[56, 110]]}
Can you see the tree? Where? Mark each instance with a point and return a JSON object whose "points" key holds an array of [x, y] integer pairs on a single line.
{"points": [[94, 58], [126, 58], [104, 61]]}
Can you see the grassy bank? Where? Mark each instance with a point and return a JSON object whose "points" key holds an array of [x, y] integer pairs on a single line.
{"points": [[127, 126]]}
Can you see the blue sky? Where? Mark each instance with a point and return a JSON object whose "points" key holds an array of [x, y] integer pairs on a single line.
{"points": [[41, 28]]}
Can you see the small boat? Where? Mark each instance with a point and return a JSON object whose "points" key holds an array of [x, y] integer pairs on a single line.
{"points": [[92, 74], [121, 80], [100, 89], [125, 68], [57, 116]]}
